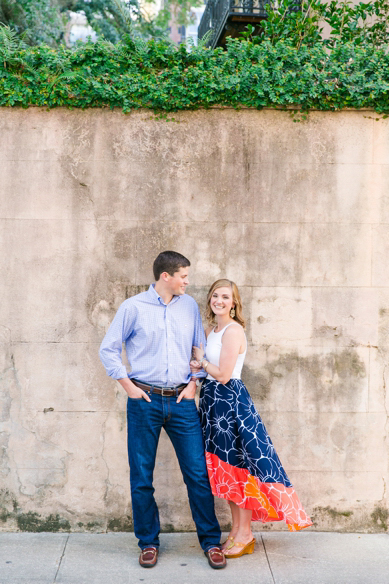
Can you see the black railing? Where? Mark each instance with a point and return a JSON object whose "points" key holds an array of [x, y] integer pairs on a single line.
{"points": [[206, 21], [251, 7], [217, 12]]}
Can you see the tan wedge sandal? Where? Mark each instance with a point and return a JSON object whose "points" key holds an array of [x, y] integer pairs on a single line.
{"points": [[230, 539], [247, 548]]}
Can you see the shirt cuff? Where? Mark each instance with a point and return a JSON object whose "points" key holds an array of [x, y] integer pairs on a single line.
{"points": [[199, 374], [120, 373]]}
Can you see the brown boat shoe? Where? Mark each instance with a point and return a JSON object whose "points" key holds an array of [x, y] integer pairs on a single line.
{"points": [[216, 558], [148, 557]]}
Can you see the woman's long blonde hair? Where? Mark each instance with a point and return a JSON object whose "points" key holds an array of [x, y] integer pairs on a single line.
{"points": [[210, 316]]}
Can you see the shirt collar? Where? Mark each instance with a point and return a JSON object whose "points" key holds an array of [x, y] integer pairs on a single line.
{"points": [[156, 299]]}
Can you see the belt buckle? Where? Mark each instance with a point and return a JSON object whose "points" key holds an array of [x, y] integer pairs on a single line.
{"points": [[163, 389]]}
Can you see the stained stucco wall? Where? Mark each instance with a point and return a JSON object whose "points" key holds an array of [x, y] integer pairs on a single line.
{"points": [[296, 213]]}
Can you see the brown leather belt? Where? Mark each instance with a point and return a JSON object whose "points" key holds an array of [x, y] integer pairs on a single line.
{"points": [[164, 391]]}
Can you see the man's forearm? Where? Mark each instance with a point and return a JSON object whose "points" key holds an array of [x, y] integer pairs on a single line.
{"points": [[126, 384]]}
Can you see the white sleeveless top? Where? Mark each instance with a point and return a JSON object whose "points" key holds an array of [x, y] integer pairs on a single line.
{"points": [[213, 350]]}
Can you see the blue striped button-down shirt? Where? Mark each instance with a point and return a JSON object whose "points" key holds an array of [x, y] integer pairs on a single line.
{"points": [[158, 338]]}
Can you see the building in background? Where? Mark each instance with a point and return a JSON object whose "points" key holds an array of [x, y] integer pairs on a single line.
{"points": [[181, 34], [78, 29], [192, 29]]}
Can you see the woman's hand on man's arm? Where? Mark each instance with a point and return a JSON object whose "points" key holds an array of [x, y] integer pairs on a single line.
{"points": [[195, 366]]}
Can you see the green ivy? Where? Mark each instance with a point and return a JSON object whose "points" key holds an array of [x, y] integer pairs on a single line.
{"points": [[160, 76]]}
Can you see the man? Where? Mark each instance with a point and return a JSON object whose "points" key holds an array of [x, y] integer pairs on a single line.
{"points": [[159, 328]]}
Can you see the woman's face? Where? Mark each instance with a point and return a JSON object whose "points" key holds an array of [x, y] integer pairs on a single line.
{"points": [[221, 301]]}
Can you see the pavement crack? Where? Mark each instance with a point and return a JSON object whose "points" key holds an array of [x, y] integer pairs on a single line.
{"points": [[305, 559], [61, 558], [268, 562]]}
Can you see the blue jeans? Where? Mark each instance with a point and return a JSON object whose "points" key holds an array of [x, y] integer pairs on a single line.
{"points": [[182, 424]]}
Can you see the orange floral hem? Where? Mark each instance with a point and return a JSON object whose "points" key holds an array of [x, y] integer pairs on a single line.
{"points": [[268, 501]]}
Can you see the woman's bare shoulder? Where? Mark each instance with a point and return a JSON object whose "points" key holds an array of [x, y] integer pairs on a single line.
{"points": [[235, 329]]}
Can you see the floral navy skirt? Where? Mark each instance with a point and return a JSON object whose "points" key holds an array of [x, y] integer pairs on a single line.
{"points": [[242, 463]]}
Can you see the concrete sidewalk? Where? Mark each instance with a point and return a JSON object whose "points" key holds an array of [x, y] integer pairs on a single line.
{"points": [[279, 558]]}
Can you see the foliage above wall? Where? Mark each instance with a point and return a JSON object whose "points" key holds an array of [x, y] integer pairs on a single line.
{"points": [[302, 22], [287, 66]]}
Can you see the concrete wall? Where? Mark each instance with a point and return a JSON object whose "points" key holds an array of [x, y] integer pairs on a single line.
{"points": [[296, 213]]}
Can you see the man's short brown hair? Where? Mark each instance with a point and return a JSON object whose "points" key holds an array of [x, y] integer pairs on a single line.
{"points": [[170, 262]]}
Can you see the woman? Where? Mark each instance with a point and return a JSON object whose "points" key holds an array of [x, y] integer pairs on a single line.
{"points": [[242, 464]]}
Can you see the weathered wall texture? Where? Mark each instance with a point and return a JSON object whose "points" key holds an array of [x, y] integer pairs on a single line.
{"points": [[296, 213]]}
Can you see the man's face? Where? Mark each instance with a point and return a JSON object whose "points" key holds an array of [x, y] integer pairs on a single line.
{"points": [[179, 281]]}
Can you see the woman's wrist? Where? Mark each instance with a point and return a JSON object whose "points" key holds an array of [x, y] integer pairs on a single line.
{"points": [[203, 362]]}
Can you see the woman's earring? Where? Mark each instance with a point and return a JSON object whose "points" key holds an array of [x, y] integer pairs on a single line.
{"points": [[232, 312]]}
